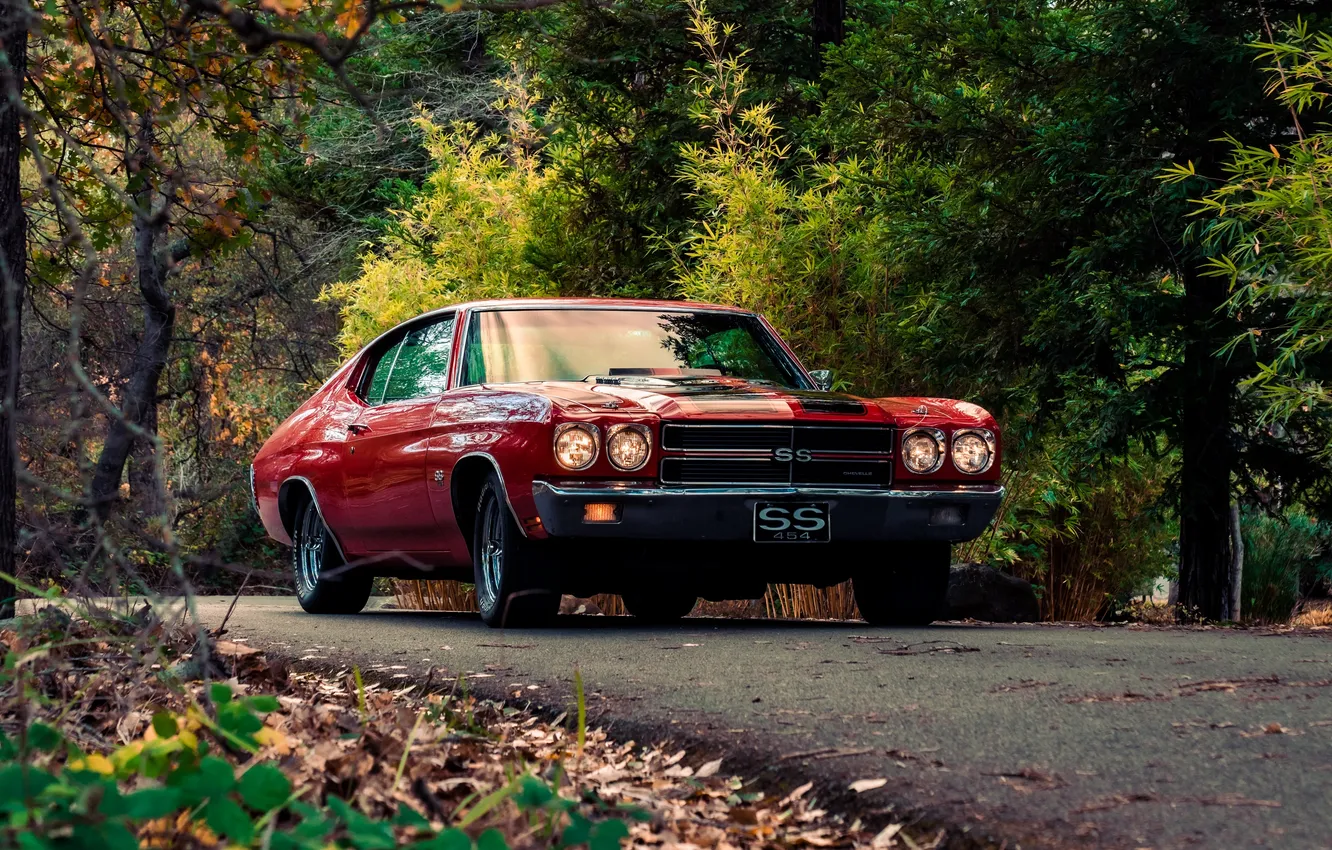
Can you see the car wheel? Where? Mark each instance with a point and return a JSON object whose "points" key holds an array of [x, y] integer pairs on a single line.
{"points": [[323, 584], [514, 588], [909, 591], [659, 605]]}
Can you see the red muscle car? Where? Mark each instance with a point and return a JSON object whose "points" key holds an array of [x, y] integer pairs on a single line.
{"points": [[659, 450]]}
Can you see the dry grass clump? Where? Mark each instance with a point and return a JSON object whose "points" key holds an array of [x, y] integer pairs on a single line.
{"points": [[1314, 613], [782, 601]]}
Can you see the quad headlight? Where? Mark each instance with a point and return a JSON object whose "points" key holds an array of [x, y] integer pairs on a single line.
{"points": [[576, 445], [973, 450], [923, 450], [629, 446]]}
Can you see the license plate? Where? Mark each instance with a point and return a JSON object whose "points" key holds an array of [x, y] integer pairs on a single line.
{"points": [[792, 522]]}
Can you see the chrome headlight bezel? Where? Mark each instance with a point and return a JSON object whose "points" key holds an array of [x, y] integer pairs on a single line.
{"points": [[940, 444], [587, 427], [984, 434], [616, 430]]}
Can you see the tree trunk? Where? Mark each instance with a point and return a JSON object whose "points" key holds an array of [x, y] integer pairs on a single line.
{"points": [[14, 21], [1208, 456], [1236, 563], [829, 19], [145, 488], [139, 404]]}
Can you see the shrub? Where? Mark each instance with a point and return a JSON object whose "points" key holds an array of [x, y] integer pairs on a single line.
{"points": [[1281, 554]]}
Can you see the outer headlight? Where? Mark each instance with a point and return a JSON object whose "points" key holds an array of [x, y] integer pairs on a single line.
{"points": [[923, 450], [628, 446], [576, 445], [973, 451]]}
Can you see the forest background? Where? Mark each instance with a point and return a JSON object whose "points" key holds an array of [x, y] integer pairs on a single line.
{"points": [[1104, 220]]}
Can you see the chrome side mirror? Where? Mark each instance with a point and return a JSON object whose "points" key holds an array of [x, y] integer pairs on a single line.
{"points": [[823, 379]]}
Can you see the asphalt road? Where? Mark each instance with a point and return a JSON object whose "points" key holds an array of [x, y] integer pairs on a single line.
{"points": [[1031, 735]]}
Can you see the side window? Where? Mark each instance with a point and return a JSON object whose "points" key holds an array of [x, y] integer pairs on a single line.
{"points": [[374, 387], [422, 364]]}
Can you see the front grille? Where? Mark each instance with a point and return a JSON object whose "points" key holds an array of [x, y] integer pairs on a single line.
{"points": [[713, 438], [777, 455], [686, 470]]}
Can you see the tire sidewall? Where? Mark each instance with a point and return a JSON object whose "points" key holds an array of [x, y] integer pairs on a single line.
{"points": [[346, 593], [490, 495]]}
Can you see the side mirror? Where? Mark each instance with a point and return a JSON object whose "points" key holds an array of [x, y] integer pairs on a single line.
{"points": [[823, 379]]}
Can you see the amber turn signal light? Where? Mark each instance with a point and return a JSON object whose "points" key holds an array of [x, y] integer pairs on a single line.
{"points": [[601, 512]]}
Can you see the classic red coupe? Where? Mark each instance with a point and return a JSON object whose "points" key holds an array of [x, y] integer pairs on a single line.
{"points": [[659, 450]]}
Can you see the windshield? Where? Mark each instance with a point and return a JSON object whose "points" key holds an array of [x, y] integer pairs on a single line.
{"points": [[575, 344]]}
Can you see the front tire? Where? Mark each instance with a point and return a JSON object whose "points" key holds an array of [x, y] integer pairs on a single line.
{"points": [[911, 590], [659, 606], [514, 588], [323, 583]]}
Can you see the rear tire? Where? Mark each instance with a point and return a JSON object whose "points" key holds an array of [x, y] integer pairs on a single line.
{"points": [[910, 590], [515, 587], [324, 584], [659, 606]]}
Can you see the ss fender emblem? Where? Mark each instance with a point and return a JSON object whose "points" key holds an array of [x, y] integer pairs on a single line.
{"points": [[801, 455]]}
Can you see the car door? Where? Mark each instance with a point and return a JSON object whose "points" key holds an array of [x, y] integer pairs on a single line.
{"points": [[384, 472]]}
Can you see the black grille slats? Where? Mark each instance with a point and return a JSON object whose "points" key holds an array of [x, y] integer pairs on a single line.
{"points": [[849, 473], [680, 470], [724, 437], [833, 439], [777, 455]]}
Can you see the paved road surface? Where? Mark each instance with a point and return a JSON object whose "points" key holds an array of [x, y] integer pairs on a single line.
{"points": [[1047, 736]]}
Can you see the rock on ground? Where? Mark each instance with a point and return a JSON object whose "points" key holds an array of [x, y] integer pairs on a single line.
{"points": [[979, 592]]}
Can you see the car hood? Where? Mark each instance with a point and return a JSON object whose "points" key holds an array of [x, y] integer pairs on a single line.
{"points": [[719, 398]]}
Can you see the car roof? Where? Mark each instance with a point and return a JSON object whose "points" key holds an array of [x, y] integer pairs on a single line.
{"points": [[583, 303]]}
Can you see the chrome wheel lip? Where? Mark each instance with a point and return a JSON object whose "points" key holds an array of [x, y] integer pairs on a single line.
{"points": [[491, 555]]}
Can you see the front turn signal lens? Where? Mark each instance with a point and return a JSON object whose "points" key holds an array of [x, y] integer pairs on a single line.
{"points": [[601, 512], [923, 450], [629, 446], [576, 445]]}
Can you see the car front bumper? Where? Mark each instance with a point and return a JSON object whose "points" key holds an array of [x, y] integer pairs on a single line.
{"points": [[727, 513]]}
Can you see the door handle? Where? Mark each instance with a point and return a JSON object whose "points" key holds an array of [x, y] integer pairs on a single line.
{"points": [[358, 428]]}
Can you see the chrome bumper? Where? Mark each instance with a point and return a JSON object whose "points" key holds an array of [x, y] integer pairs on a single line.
{"points": [[727, 513]]}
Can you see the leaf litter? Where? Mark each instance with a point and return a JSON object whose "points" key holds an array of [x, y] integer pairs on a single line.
{"points": [[442, 755]]}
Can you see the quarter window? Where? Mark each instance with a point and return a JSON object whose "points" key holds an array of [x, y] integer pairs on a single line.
{"points": [[416, 367], [374, 391]]}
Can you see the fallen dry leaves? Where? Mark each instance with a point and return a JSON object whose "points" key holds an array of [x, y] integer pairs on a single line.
{"points": [[384, 747]]}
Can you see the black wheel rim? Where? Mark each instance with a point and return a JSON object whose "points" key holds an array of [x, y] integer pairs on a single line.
{"points": [[491, 555], [309, 552]]}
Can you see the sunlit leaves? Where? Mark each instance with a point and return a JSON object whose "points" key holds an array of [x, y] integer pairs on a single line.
{"points": [[462, 237]]}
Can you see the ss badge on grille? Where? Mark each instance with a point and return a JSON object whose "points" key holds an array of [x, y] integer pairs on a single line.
{"points": [[784, 455]]}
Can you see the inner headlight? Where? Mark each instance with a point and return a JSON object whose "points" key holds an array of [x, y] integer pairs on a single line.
{"points": [[923, 450], [973, 451], [628, 446], [576, 445]]}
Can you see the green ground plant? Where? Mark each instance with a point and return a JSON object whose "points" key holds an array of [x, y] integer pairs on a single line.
{"points": [[1283, 555], [207, 769]]}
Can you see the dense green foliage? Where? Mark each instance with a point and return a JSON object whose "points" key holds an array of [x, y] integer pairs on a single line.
{"points": [[1274, 233], [979, 200], [1102, 220]]}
